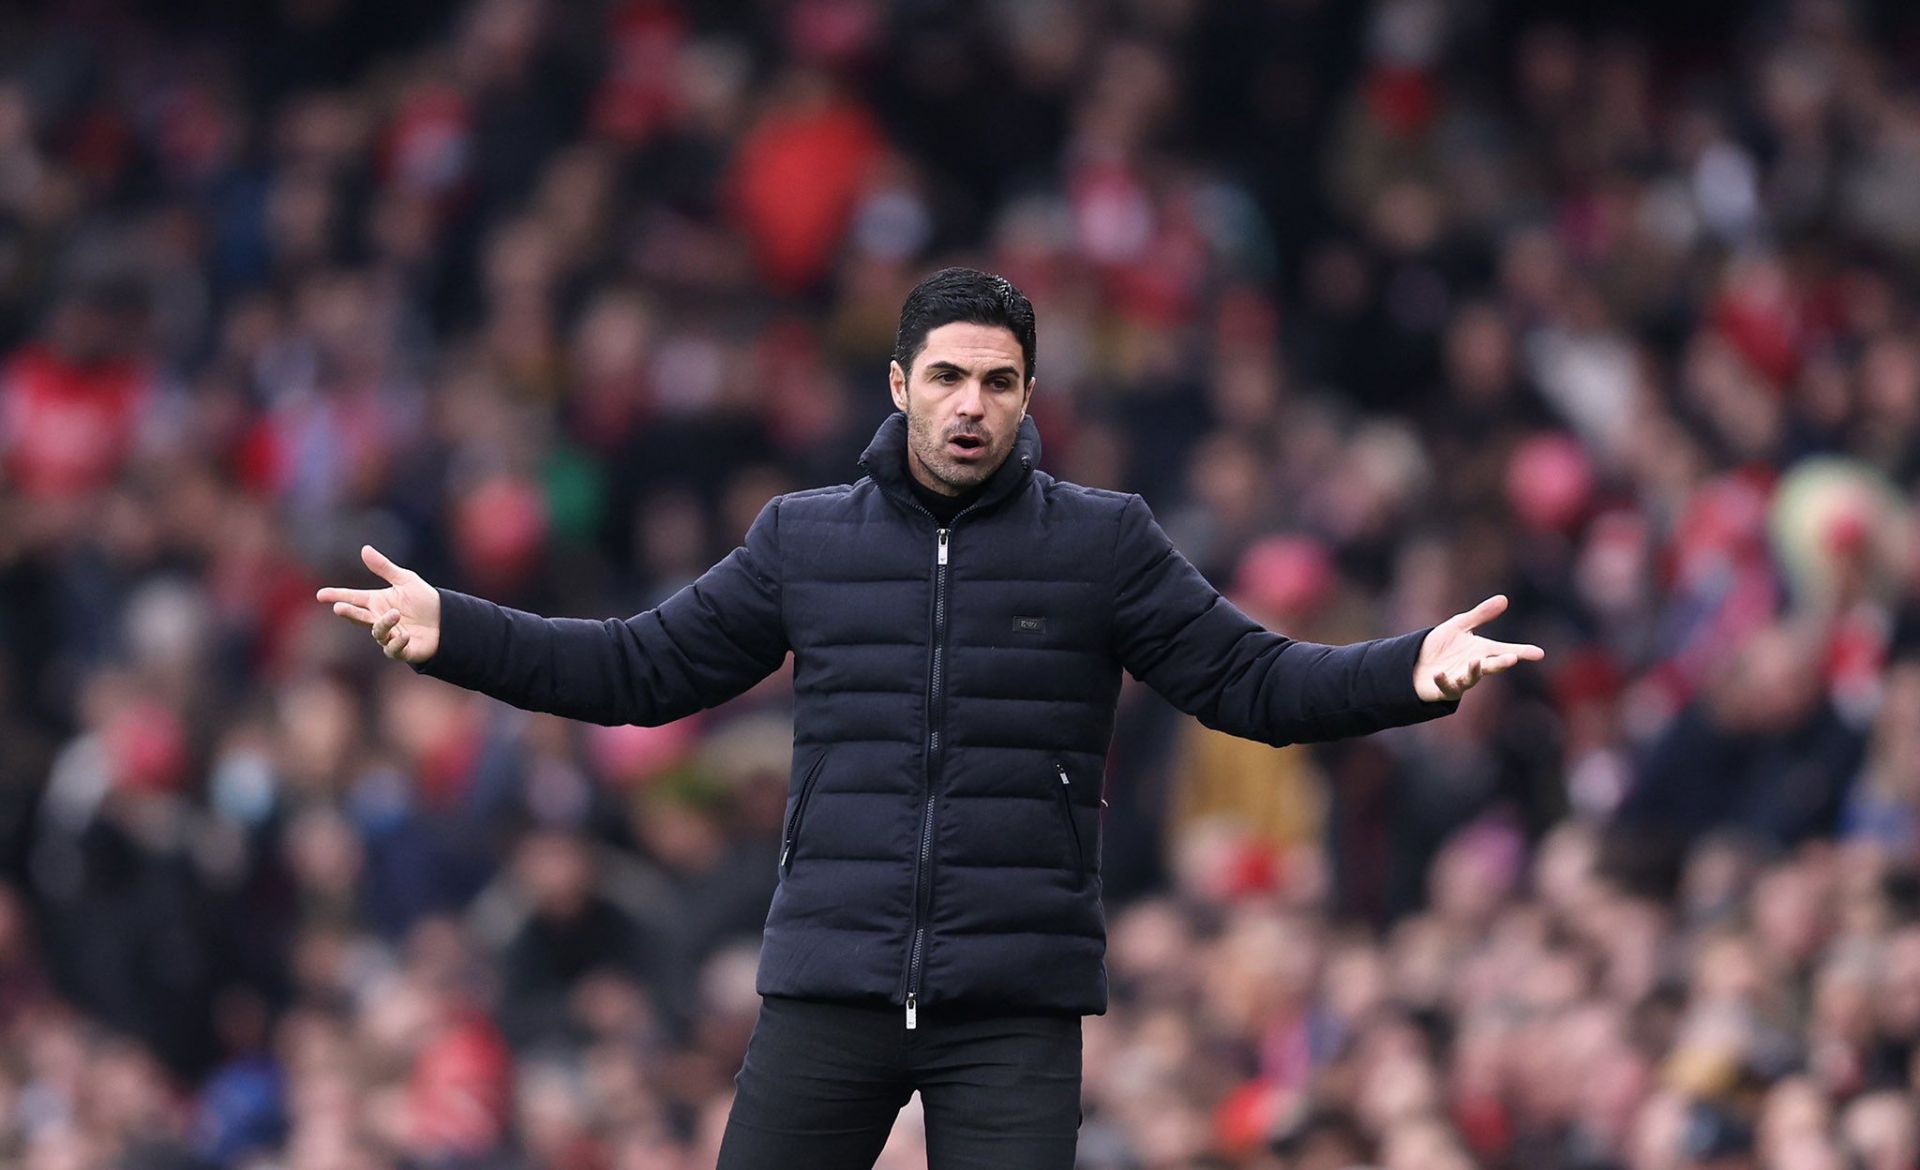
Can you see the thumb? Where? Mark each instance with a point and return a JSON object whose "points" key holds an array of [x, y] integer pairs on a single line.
{"points": [[385, 569], [1483, 613]]}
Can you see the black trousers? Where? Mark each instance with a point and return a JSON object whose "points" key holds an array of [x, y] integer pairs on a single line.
{"points": [[822, 1083]]}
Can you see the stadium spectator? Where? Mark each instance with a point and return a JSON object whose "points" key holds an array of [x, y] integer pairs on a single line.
{"points": [[1575, 301]]}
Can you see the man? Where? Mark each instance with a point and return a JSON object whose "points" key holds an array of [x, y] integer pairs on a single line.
{"points": [[958, 621]]}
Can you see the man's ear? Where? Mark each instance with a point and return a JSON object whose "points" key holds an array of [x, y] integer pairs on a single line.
{"points": [[897, 382], [1027, 399]]}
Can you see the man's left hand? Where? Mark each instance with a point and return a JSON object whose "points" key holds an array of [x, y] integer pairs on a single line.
{"points": [[1454, 658]]}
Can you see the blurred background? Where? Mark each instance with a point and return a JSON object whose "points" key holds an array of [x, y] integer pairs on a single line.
{"points": [[1383, 307]]}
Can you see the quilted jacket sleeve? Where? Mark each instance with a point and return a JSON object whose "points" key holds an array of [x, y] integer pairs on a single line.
{"points": [[1176, 633], [704, 645]]}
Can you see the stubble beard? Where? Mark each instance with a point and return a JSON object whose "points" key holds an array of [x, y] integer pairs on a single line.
{"points": [[929, 449]]}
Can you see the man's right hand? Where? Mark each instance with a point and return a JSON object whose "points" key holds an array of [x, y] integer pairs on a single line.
{"points": [[404, 617]]}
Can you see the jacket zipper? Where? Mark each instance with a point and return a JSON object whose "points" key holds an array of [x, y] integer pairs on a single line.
{"points": [[922, 884], [922, 881], [792, 834], [1073, 827]]}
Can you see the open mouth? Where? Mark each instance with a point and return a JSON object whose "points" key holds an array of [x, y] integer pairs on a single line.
{"points": [[967, 445]]}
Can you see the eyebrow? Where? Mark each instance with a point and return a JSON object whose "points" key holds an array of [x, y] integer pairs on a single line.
{"points": [[966, 373]]}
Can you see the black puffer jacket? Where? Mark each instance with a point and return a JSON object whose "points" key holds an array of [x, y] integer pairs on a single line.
{"points": [[954, 695]]}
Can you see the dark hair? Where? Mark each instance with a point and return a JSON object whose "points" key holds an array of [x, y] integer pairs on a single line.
{"points": [[962, 294]]}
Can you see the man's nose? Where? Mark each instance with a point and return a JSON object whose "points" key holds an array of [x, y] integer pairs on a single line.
{"points": [[971, 401]]}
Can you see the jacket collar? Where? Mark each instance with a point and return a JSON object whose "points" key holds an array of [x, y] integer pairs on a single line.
{"points": [[885, 459]]}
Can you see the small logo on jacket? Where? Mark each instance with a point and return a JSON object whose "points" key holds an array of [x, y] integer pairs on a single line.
{"points": [[1029, 625]]}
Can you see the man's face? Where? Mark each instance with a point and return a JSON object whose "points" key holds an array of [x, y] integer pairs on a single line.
{"points": [[964, 399]]}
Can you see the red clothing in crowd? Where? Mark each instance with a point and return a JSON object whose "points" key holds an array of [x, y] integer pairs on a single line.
{"points": [[66, 427]]}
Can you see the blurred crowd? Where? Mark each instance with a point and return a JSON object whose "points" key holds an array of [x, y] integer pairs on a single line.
{"points": [[1383, 307]]}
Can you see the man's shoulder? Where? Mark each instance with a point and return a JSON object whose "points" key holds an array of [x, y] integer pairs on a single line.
{"points": [[840, 502], [1064, 492], [817, 496]]}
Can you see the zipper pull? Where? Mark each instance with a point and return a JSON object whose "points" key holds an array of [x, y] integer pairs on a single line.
{"points": [[1064, 782], [786, 851], [913, 1011], [943, 546]]}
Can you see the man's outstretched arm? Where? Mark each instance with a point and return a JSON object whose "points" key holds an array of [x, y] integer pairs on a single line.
{"points": [[705, 644], [1175, 632]]}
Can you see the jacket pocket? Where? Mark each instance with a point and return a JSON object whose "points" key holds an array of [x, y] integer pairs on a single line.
{"points": [[1065, 790], [792, 835]]}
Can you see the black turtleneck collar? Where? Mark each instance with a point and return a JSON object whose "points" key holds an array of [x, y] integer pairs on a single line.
{"points": [[885, 459], [944, 508]]}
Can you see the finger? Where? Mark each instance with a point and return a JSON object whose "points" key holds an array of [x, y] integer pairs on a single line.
{"points": [[360, 597], [387, 571], [353, 613], [1483, 613], [1521, 651], [1460, 681], [1444, 681], [395, 646], [383, 629], [1498, 663]]}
